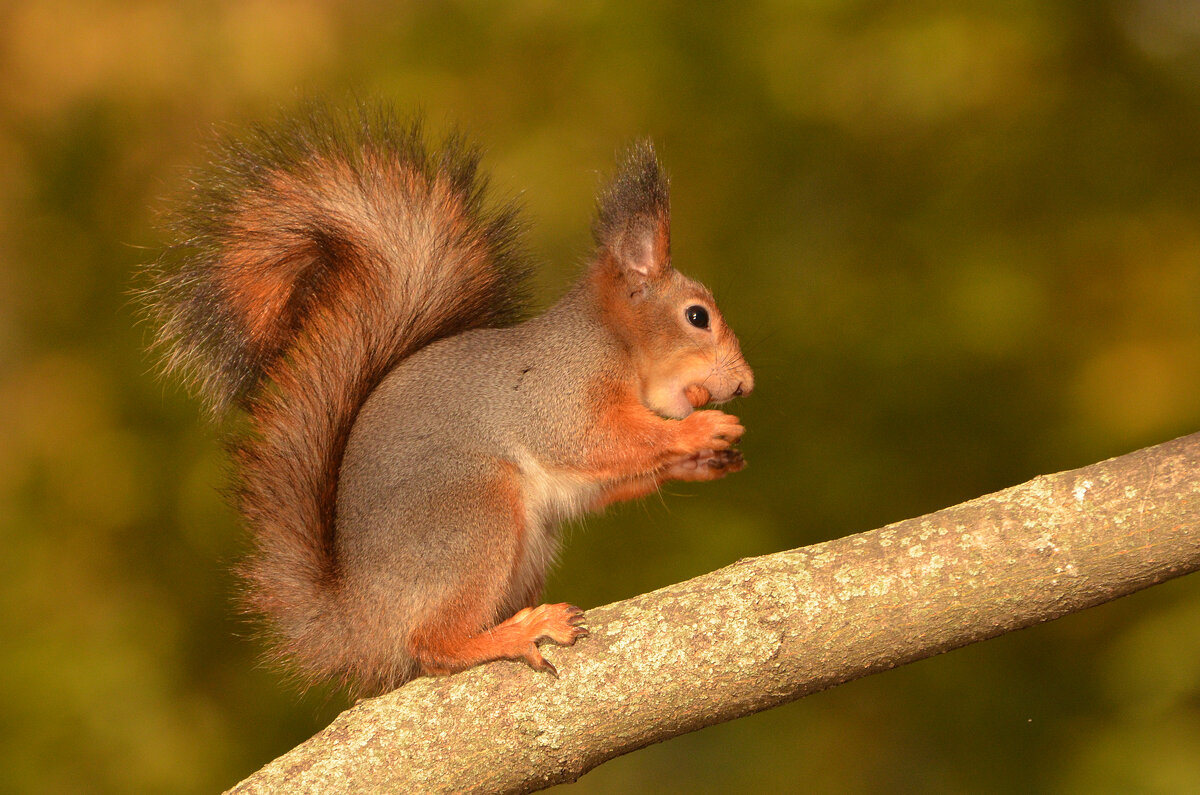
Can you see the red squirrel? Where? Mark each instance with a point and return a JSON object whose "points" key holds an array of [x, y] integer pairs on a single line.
{"points": [[409, 450]]}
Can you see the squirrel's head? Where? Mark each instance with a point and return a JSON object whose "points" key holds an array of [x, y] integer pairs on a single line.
{"points": [[684, 353]]}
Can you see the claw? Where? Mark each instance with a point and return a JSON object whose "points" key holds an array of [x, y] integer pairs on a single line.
{"points": [[726, 459], [539, 663]]}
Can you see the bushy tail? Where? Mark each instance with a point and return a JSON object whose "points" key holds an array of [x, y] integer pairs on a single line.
{"points": [[315, 257]]}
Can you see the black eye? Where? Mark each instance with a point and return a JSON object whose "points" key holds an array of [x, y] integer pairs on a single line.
{"points": [[697, 316]]}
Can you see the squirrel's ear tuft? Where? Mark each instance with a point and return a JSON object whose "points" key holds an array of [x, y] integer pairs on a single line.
{"points": [[633, 216]]}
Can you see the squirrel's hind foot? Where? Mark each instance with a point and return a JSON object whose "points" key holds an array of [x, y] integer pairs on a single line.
{"points": [[558, 623]]}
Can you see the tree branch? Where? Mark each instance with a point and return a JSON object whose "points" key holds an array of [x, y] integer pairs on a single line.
{"points": [[769, 630]]}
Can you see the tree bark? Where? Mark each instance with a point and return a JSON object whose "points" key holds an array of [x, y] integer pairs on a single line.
{"points": [[768, 630]]}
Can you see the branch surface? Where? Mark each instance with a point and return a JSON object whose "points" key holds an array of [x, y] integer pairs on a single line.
{"points": [[768, 630]]}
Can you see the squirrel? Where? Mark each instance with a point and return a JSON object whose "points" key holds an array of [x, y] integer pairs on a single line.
{"points": [[408, 448]]}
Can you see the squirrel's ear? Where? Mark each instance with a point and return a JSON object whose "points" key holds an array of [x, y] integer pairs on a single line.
{"points": [[643, 250], [633, 217]]}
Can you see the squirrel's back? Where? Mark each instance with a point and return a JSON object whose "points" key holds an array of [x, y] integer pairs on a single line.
{"points": [[315, 257]]}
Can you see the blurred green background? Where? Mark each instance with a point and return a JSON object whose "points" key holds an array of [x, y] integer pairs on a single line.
{"points": [[960, 242]]}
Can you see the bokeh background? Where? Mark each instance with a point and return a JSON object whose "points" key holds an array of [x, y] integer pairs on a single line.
{"points": [[960, 241]]}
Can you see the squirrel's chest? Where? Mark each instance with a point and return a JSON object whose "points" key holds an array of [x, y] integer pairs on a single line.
{"points": [[552, 495]]}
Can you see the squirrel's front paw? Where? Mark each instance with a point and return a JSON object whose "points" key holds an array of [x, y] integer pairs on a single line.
{"points": [[710, 430]]}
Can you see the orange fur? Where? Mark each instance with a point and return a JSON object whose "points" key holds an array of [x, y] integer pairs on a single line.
{"points": [[631, 440]]}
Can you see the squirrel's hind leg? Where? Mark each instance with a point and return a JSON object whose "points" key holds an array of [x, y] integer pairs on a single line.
{"points": [[513, 639], [461, 632]]}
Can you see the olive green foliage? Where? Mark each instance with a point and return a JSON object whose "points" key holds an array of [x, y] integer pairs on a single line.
{"points": [[960, 242]]}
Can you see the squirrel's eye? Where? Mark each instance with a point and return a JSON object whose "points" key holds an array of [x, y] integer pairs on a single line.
{"points": [[697, 316]]}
